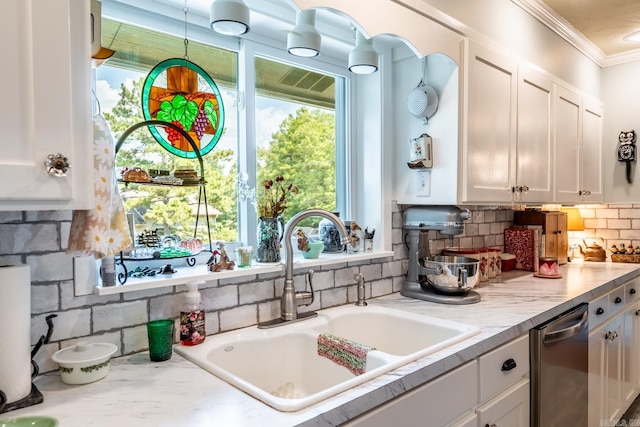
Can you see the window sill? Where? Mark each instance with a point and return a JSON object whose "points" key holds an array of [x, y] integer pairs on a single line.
{"points": [[200, 272]]}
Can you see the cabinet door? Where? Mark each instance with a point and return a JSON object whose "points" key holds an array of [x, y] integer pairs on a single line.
{"points": [[489, 137], [534, 168], [613, 370], [46, 106], [596, 376], [567, 135], [631, 355], [605, 372], [436, 403], [591, 151], [509, 409]]}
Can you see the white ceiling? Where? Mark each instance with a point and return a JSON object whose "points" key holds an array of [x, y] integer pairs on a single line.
{"points": [[603, 22], [595, 27]]}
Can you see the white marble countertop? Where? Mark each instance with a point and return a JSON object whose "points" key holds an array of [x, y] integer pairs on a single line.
{"points": [[138, 392]]}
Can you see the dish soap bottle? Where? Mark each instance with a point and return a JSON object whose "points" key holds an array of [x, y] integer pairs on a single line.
{"points": [[192, 317]]}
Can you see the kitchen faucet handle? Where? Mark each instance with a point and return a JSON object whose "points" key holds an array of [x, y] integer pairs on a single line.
{"points": [[312, 294]]}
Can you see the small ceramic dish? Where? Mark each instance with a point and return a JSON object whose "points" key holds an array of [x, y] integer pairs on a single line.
{"points": [[314, 250], [35, 421], [84, 362]]}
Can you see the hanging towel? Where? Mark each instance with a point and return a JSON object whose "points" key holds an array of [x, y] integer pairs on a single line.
{"points": [[344, 352], [102, 230]]}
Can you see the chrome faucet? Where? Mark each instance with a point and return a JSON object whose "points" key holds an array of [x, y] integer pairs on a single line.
{"points": [[291, 300]]}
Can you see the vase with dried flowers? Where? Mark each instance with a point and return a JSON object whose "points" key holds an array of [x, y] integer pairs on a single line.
{"points": [[271, 202]]}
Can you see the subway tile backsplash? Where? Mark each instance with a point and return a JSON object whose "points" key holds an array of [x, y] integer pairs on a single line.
{"points": [[40, 238]]}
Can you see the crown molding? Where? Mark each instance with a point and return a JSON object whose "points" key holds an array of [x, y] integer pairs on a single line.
{"points": [[556, 23]]}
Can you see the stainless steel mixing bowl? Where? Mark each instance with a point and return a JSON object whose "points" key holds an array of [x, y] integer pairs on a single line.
{"points": [[458, 274]]}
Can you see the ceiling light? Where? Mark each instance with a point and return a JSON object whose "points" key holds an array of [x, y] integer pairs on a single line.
{"points": [[304, 39], [229, 17], [633, 37], [363, 59]]}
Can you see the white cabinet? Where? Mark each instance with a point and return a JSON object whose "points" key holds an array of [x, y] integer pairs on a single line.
{"points": [[492, 390], [46, 106], [605, 372], [436, 403], [488, 126], [614, 352], [509, 409], [591, 150], [534, 161], [506, 152], [578, 147]]}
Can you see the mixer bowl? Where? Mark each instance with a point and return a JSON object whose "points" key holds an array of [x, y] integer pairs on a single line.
{"points": [[453, 268]]}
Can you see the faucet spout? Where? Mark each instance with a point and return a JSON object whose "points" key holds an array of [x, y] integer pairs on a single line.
{"points": [[291, 300]]}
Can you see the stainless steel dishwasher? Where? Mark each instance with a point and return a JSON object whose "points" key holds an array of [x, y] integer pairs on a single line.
{"points": [[559, 370]]}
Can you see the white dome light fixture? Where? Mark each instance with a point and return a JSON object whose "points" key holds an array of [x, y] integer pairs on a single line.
{"points": [[633, 37], [363, 59], [303, 39], [229, 17]]}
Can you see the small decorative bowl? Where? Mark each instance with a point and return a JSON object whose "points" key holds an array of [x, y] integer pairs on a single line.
{"points": [[33, 421], [84, 362], [314, 250]]}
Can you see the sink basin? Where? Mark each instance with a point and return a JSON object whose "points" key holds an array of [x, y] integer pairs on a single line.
{"points": [[282, 368]]}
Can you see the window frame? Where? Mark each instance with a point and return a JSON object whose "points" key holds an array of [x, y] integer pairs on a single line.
{"points": [[246, 50], [247, 161]]}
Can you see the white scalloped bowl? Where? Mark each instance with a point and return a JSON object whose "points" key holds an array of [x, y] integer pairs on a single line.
{"points": [[84, 362]]}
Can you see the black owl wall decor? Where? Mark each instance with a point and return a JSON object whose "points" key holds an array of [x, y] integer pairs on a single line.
{"points": [[627, 150]]}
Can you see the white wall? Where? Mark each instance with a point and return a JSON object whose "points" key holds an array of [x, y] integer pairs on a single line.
{"points": [[621, 97], [442, 74], [509, 26]]}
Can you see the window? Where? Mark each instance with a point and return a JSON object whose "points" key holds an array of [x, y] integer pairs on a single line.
{"points": [[299, 115]]}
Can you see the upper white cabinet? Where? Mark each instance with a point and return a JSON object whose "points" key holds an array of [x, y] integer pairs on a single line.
{"points": [[578, 148], [488, 126], [534, 154], [46, 106], [506, 130], [591, 151]]}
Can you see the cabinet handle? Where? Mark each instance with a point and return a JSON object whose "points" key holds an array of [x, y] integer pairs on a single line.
{"points": [[632, 291], [600, 311], [618, 300], [57, 165], [610, 336], [584, 193], [508, 365], [490, 425], [637, 312]]}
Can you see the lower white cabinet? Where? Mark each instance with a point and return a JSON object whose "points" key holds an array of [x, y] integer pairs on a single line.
{"points": [[491, 391], [508, 409], [614, 353], [605, 372], [436, 403]]}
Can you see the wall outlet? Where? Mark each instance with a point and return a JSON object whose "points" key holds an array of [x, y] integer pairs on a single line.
{"points": [[423, 183]]}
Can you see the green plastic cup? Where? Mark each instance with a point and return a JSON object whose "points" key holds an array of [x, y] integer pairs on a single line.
{"points": [[160, 333]]}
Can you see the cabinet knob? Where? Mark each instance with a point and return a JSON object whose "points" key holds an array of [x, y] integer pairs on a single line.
{"points": [[632, 291], [610, 336], [618, 300], [57, 165], [508, 365], [599, 310]]}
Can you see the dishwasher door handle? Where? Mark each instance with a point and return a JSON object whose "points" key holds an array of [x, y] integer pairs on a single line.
{"points": [[565, 333]]}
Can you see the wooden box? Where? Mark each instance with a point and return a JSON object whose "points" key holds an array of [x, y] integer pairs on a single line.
{"points": [[554, 239]]}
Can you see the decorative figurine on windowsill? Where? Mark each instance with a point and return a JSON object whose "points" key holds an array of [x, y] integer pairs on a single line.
{"points": [[303, 240], [220, 260], [368, 239]]}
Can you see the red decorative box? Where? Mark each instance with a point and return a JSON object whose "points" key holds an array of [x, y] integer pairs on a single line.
{"points": [[523, 243]]}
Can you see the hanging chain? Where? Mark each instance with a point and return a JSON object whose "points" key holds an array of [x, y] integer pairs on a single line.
{"points": [[186, 40]]}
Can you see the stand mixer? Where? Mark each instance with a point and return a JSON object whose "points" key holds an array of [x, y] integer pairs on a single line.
{"points": [[416, 224]]}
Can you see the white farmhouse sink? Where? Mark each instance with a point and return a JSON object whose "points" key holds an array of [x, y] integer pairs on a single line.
{"points": [[281, 366]]}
